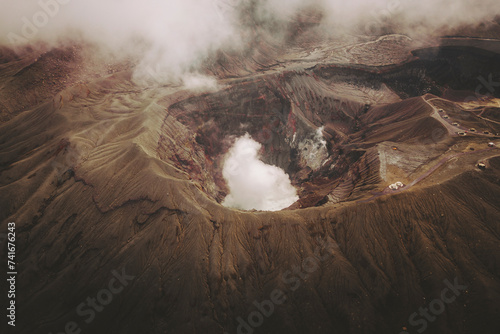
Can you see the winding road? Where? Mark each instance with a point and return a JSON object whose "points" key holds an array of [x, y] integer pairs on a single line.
{"points": [[453, 131]]}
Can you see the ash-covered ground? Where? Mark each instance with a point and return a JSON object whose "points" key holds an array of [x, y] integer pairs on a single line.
{"points": [[364, 198]]}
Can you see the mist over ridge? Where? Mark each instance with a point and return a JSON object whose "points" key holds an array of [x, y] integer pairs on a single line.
{"points": [[174, 37]]}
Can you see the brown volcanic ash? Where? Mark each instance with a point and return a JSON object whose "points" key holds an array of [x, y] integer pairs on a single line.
{"points": [[105, 175]]}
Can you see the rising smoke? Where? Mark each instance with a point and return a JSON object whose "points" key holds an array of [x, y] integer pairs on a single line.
{"points": [[252, 183], [313, 151]]}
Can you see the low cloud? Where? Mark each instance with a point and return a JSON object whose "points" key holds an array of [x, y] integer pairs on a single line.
{"points": [[166, 38], [200, 83], [174, 37], [254, 184]]}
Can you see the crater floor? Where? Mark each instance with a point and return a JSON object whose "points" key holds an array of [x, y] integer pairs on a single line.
{"points": [[104, 176]]}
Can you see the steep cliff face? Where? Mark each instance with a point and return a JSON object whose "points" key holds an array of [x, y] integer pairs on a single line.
{"points": [[115, 184]]}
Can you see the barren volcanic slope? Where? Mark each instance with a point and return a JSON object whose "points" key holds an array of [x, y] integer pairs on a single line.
{"points": [[116, 190]]}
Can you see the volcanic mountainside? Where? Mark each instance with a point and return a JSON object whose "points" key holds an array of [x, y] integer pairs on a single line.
{"points": [[102, 174]]}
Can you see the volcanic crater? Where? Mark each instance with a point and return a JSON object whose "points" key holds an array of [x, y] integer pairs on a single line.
{"points": [[397, 193]]}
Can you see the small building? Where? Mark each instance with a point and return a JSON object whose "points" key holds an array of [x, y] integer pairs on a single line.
{"points": [[491, 144], [396, 186]]}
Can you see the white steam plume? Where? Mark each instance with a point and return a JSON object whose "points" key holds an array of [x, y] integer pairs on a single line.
{"points": [[252, 183], [314, 150]]}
